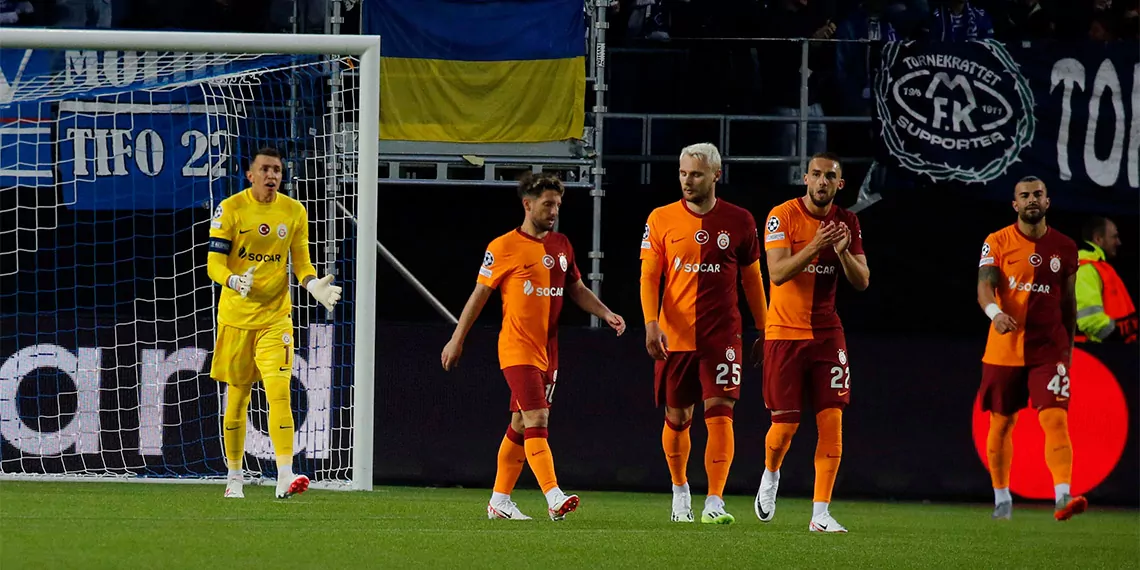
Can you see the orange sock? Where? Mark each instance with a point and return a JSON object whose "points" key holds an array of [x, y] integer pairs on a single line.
{"points": [[1058, 448], [512, 457], [539, 458], [777, 443], [999, 448], [676, 443], [828, 452], [720, 448]]}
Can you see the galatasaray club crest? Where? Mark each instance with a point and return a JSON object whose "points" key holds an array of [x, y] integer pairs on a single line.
{"points": [[842, 357], [722, 240], [1055, 263], [562, 262], [730, 354]]}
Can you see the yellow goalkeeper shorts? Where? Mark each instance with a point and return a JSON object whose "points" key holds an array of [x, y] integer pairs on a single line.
{"points": [[243, 357]]}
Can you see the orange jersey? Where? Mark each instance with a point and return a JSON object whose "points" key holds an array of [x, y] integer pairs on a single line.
{"points": [[1033, 272], [531, 275], [701, 256], [804, 307]]}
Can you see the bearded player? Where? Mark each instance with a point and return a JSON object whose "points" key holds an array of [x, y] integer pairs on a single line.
{"points": [[252, 236], [534, 268], [1027, 287], [810, 242], [693, 328]]}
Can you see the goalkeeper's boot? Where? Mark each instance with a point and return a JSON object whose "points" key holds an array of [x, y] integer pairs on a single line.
{"points": [[505, 510], [287, 487], [682, 504], [714, 512], [562, 506], [765, 505], [825, 523], [1003, 511], [1069, 507], [234, 489]]}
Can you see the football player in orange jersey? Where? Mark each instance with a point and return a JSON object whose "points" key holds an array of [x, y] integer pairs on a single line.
{"points": [[1027, 287], [812, 245], [533, 267], [700, 244]]}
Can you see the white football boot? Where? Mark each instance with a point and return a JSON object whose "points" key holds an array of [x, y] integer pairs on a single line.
{"points": [[825, 523], [562, 506], [287, 487], [765, 505], [505, 510], [234, 489], [682, 504]]}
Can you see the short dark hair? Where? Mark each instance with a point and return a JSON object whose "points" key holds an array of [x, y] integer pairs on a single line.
{"points": [[1093, 227], [265, 151], [828, 156], [1030, 178], [533, 185]]}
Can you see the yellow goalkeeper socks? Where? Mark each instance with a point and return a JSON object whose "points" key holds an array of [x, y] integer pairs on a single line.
{"points": [[234, 421], [280, 422]]}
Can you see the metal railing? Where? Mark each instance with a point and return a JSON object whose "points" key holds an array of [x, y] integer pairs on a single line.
{"points": [[725, 122]]}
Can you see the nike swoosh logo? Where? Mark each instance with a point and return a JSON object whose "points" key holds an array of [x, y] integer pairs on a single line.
{"points": [[822, 526], [1062, 399], [677, 240], [727, 389], [719, 460], [283, 369], [231, 428], [834, 456], [844, 393], [285, 427], [529, 266], [537, 453], [244, 231], [1011, 262]]}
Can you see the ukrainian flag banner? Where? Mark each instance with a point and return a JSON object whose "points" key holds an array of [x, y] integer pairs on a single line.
{"points": [[480, 70]]}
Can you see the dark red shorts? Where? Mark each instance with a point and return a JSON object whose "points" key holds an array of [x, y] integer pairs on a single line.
{"points": [[685, 378], [1008, 389], [816, 369], [531, 388]]}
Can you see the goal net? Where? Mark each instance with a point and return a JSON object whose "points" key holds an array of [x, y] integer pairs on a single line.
{"points": [[112, 162]]}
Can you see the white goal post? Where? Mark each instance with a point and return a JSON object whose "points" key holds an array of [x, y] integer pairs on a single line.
{"points": [[366, 49]]}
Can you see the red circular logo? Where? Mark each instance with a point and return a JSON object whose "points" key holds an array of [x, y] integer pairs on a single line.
{"points": [[1035, 259], [1098, 429], [263, 229]]}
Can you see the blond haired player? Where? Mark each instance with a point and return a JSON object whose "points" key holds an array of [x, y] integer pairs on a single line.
{"points": [[252, 236]]}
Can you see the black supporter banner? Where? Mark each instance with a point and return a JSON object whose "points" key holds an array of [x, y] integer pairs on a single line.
{"points": [[986, 114]]}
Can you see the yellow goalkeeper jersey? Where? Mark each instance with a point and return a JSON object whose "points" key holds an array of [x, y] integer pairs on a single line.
{"points": [[246, 233]]}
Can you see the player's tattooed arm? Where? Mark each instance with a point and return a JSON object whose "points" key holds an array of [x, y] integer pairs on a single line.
{"points": [[989, 278]]}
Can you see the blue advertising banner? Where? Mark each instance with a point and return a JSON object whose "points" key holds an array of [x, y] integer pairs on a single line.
{"points": [[122, 129], [145, 156], [987, 114]]}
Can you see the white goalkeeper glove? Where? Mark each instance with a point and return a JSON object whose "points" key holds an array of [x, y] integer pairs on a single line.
{"points": [[241, 283], [325, 293]]}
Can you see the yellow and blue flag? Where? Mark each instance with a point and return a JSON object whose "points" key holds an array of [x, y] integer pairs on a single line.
{"points": [[480, 71]]}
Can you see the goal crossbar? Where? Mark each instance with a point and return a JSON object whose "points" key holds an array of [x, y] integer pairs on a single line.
{"points": [[368, 49]]}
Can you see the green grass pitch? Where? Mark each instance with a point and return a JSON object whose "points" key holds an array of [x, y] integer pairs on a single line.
{"points": [[116, 525]]}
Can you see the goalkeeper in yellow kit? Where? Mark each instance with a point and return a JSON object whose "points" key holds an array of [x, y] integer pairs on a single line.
{"points": [[252, 235]]}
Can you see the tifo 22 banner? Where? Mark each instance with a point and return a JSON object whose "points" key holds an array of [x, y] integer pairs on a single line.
{"points": [[112, 130], [985, 113]]}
